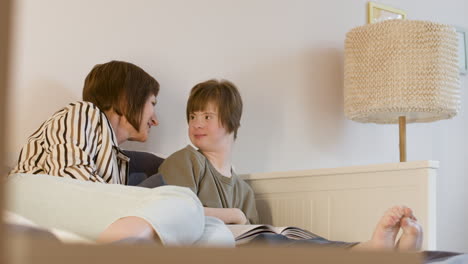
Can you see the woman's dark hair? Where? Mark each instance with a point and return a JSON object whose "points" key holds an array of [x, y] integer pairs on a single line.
{"points": [[122, 86]]}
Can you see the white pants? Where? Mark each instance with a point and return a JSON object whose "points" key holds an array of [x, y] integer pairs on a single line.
{"points": [[87, 208]]}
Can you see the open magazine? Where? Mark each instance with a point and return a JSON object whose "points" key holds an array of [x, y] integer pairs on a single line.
{"points": [[245, 233]]}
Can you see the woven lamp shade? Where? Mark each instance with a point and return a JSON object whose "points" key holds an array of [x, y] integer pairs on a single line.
{"points": [[401, 68]]}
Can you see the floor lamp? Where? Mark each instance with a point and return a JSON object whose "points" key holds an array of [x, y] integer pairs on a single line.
{"points": [[401, 71]]}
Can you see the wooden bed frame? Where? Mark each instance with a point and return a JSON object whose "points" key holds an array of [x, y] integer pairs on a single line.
{"points": [[345, 203]]}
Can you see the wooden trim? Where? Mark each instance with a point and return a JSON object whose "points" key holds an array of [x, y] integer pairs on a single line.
{"points": [[373, 7], [5, 20], [39, 252], [373, 168]]}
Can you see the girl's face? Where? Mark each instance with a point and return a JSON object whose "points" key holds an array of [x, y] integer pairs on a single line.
{"points": [[206, 131], [148, 119]]}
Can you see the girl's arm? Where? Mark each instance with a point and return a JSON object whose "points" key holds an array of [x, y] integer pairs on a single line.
{"points": [[227, 215]]}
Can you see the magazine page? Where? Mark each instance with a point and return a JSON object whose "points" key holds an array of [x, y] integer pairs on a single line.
{"points": [[297, 233], [245, 233], [240, 230]]}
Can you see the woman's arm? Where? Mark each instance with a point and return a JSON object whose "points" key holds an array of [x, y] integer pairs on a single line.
{"points": [[66, 145], [74, 137], [227, 215]]}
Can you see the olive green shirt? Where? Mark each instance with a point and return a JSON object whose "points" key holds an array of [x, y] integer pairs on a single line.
{"points": [[190, 168]]}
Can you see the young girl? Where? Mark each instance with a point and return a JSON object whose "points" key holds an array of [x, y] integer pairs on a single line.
{"points": [[207, 171], [214, 110]]}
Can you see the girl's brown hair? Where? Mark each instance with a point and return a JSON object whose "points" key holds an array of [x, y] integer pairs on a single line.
{"points": [[224, 95]]}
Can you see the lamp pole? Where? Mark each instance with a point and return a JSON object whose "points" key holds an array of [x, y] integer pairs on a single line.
{"points": [[402, 126]]}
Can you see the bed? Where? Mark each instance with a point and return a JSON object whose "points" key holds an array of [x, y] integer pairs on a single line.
{"points": [[345, 203], [338, 203]]}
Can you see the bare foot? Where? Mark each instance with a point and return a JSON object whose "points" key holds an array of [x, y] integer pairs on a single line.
{"points": [[412, 236], [409, 213], [386, 230]]}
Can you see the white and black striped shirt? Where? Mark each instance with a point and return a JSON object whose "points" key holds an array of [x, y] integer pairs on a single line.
{"points": [[76, 142]]}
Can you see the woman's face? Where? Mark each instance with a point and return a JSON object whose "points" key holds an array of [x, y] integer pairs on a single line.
{"points": [[148, 119], [206, 131]]}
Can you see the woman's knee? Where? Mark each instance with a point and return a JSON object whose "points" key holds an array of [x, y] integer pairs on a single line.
{"points": [[128, 227]]}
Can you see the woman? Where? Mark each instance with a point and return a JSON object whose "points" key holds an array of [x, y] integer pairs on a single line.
{"points": [[81, 142]]}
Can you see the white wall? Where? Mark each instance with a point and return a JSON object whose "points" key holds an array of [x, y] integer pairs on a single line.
{"points": [[285, 56]]}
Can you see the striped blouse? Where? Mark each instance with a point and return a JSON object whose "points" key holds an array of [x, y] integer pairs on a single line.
{"points": [[76, 142]]}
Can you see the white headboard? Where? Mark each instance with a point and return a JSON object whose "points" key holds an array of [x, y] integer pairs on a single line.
{"points": [[345, 203]]}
